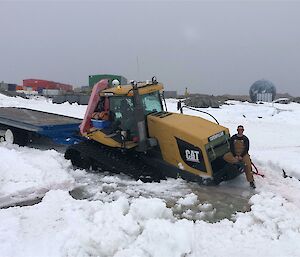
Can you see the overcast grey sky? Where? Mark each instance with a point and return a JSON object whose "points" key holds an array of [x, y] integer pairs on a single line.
{"points": [[212, 47]]}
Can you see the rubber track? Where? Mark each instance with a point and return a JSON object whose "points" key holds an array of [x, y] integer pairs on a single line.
{"points": [[113, 160]]}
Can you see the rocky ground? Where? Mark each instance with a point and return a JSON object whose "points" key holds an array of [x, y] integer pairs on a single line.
{"points": [[205, 101]]}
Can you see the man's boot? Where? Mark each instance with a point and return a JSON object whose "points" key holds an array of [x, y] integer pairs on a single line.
{"points": [[252, 184]]}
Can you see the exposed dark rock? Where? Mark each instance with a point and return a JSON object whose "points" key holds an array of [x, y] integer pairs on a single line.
{"points": [[296, 100], [204, 101]]}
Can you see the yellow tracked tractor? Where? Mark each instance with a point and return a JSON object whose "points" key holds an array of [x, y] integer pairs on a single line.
{"points": [[128, 129]]}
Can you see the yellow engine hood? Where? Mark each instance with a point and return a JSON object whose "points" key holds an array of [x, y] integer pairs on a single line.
{"points": [[172, 129], [183, 126]]}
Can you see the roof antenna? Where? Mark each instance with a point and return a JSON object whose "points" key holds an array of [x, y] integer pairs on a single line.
{"points": [[138, 68]]}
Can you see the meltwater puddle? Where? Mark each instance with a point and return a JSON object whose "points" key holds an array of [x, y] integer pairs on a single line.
{"points": [[187, 200]]}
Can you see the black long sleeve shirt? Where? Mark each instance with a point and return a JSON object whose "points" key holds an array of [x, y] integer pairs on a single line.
{"points": [[246, 144]]}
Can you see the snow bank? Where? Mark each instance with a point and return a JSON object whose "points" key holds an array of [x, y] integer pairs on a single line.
{"points": [[62, 226], [26, 174], [76, 228]]}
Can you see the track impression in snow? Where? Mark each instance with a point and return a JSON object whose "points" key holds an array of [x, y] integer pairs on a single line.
{"points": [[187, 200]]}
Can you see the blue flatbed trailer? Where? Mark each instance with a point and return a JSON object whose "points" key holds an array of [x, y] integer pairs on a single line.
{"points": [[26, 122]]}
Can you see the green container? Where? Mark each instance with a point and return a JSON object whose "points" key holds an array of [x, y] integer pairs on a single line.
{"points": [[93, 79]]}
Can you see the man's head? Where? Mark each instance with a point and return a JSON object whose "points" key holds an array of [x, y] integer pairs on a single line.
{"points": [[240, 129]]}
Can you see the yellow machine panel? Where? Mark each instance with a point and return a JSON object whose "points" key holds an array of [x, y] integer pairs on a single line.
{"points": [[175, 132], [104, 139]]}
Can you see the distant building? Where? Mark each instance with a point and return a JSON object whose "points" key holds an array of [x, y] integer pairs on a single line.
{"points": [[7, 86], [39, 85], [262, 90], [3, 86], [186, 92], [170, 94]]}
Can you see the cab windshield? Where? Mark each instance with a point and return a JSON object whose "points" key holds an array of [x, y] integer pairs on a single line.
{"points": [[122, 113], [151, 102], [122, 110], [123, 106]]}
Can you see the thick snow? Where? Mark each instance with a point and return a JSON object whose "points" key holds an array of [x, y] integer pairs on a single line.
{"points": [[26, 174], [125, 218], [43, 104]]}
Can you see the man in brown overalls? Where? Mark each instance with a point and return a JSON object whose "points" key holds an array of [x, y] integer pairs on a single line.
{"points": [[239, 147]]}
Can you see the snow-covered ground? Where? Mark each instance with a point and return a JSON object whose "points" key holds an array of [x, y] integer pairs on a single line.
{"points": [[106, 215]]}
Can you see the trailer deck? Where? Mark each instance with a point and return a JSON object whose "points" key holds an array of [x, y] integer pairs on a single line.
{"points": [[60, 128]]}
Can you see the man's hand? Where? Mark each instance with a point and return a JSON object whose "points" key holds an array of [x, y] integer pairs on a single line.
{"points": [[239, 158]]}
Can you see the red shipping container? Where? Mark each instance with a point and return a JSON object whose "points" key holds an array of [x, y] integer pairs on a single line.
{"points": [[39, 84]]}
